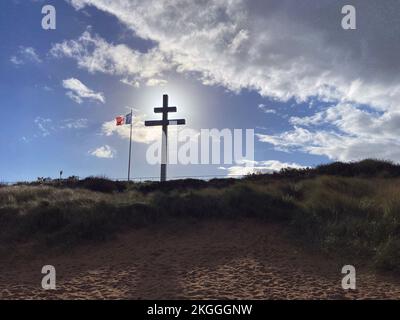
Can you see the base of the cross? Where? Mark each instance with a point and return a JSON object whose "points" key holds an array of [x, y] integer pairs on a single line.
{"points": [[163, 172]]}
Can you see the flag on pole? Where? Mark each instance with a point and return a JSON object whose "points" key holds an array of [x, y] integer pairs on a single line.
{"points": [[128, 118], [120, 120]]}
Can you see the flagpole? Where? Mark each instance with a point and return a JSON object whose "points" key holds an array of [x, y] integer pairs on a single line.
{"points": [[130, 148]]}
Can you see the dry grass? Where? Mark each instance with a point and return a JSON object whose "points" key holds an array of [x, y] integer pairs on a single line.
{"points": [[355, 214]]}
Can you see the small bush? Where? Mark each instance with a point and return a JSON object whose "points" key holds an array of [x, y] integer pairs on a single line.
{"points": [[103, 185]]}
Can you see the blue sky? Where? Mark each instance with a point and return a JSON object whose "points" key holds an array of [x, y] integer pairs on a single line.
{"points": [[312, 91]]}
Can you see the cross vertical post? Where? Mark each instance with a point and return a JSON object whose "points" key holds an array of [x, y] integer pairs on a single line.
{"points": [[165, 122], [130, 148], [164, 143]]}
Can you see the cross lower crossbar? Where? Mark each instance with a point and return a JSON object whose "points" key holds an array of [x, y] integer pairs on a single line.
{"points": [[155, 123], [162, 110]]}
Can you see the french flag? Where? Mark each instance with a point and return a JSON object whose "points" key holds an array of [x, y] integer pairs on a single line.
{"points": [[120, 120]]}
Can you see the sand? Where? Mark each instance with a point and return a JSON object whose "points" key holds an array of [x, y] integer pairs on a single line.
{"points": [[210, 260]]}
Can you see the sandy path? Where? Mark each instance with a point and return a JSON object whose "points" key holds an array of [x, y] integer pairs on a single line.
{"points": [[214, 260]]}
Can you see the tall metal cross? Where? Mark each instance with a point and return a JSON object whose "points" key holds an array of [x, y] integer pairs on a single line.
{"points": [[165, 122]]}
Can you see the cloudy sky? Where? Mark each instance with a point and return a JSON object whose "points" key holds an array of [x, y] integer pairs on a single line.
{"points": [[312, 91]]}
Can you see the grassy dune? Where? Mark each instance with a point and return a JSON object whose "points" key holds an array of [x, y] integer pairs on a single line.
{"points": [[348, 209]]}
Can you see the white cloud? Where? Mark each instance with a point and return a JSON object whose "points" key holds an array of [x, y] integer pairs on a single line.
{"points": [[132, 83], [48, 126], [269, 166], [16, 60], [156, 82], [96, 55], [24, 55], [265, 109], [45, 126], [104, 152], [78, 91], [342, 132], [279, 50], [74, 124]]}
